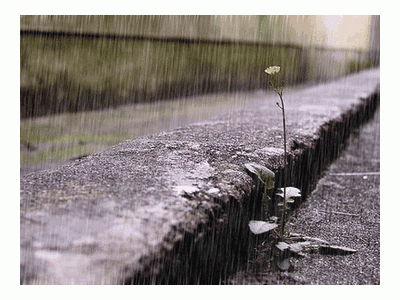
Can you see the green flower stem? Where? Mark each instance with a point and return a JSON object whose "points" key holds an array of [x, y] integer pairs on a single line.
{"points": [[265, 200], [278, 88], [282, 107]]}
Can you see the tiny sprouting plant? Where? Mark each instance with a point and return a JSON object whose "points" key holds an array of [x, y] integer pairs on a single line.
{"points": [[266, 176], [277, 85], [302, 243]]}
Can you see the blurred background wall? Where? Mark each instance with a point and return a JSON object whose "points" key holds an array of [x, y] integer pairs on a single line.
{"points": [[78, 63]]}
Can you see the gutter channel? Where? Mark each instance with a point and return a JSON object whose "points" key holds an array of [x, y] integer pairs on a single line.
{"points": [[222, 246]]}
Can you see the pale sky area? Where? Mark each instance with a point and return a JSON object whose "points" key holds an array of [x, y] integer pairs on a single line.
{"points": [[340, 31], [346, 31]]}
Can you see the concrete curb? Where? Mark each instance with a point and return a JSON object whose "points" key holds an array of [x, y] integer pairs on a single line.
{"points": [[173, 208]]}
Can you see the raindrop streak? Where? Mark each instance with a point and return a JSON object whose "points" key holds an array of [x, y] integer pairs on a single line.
{"points": [[89, 82]]}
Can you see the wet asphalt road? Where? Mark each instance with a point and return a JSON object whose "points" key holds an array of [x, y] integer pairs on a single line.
{"points": [[344, 209]]}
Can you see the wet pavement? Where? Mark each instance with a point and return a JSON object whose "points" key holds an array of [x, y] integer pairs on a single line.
{"points": [[174, 207], [344, 209]]}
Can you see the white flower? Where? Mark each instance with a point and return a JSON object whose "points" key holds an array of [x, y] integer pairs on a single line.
{"points": [[272, 70]]}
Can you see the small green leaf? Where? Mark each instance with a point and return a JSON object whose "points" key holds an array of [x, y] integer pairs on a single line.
{"points": [[290, 192], [258, 227], [302, 237], [282, 246], [265, 175], [297, 247], [338, 250]]}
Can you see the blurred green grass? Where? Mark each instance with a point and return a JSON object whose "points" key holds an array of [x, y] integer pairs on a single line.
{"points": [[66, 136]]}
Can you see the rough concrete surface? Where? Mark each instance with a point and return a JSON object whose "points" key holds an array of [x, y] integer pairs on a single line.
{"points": [[350, 186], [344, 209], [174, 207]]}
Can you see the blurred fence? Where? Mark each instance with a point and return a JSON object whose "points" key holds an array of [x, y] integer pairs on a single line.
{"points": [[69, 70]]}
